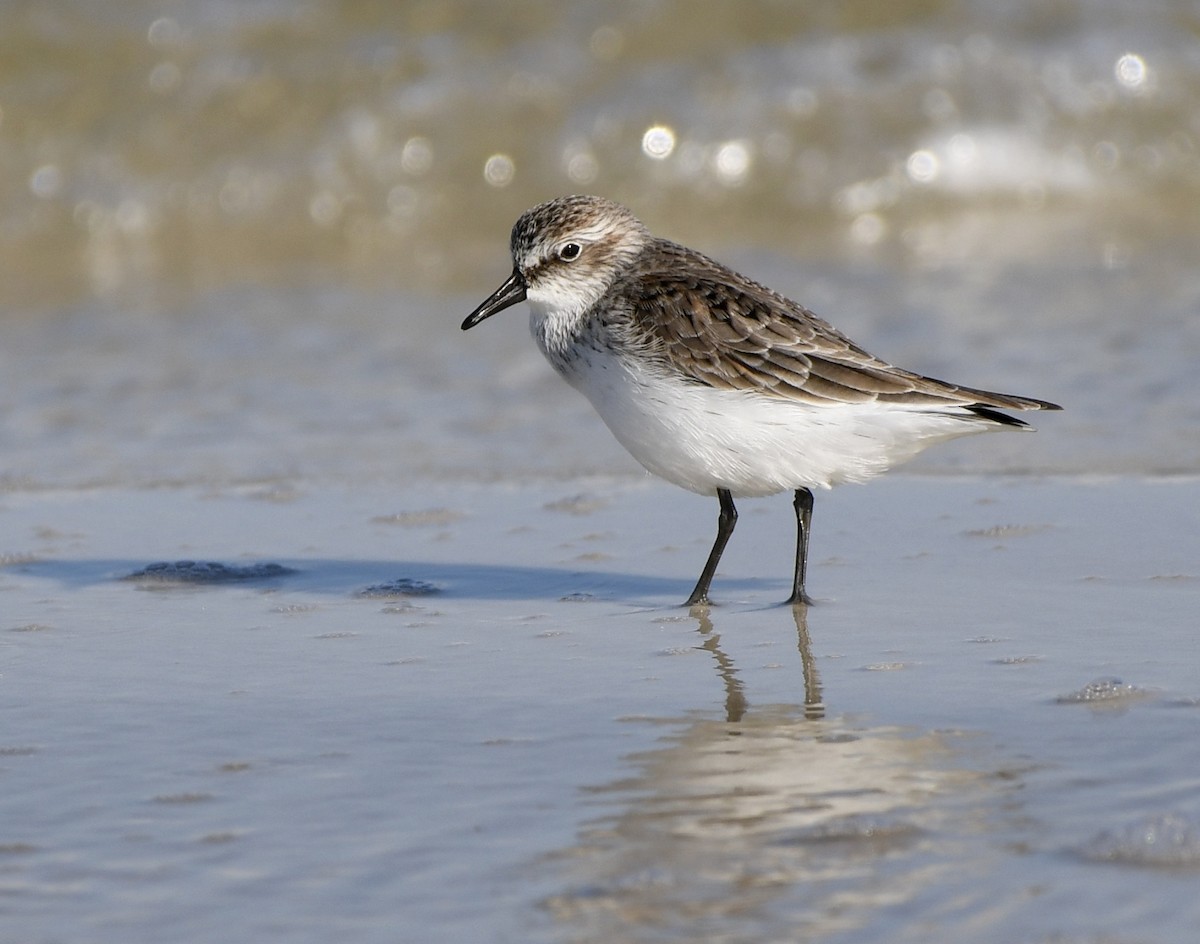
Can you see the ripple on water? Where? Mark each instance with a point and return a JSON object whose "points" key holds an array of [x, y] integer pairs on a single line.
{"points": [[1103, 691], [1169, 840]]}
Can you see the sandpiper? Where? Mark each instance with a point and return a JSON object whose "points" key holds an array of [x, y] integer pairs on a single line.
{"points": [[713, 381]]}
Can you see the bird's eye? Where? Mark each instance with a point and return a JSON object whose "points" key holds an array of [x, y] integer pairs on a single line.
{"points": [[569, 252]]}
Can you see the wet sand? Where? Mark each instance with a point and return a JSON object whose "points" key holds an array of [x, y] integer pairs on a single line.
{"points": [[477, 712]]}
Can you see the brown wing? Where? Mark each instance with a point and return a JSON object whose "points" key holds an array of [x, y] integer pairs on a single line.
{"points": [[721, 329]]}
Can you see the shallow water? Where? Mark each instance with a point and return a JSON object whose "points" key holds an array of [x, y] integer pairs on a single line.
{"points": [[527, 738], [236, 243]]}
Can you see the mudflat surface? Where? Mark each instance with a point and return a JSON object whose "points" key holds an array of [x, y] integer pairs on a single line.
{"points": [[478, 713]]}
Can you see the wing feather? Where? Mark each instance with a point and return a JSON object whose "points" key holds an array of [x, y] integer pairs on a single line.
{"points": [[718, 328]]}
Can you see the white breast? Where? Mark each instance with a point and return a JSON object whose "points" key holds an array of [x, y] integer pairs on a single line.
{"points": [[703, 439]]}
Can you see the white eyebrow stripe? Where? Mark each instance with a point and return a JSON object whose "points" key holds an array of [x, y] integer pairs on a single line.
{"points": [[591, 234]]}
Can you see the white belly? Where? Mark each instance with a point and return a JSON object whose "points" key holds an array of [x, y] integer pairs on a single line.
{"points": [[703, 439]]}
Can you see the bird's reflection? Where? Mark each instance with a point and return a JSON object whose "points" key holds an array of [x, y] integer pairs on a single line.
{"points": [[773, 823], [735, 691], [814, 707], [736, 703]]}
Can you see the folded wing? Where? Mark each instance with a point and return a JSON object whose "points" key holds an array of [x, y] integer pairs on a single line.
{"points": [[718, 328]]}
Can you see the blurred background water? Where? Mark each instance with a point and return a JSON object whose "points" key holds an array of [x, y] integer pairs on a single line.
{"points": [[237, 237]]}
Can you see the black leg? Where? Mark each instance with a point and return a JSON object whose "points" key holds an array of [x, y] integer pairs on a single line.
{"points": [[725, 522], [804, 507]]}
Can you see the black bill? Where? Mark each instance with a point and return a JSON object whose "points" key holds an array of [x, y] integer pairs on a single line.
{"points": [[507, 295]]}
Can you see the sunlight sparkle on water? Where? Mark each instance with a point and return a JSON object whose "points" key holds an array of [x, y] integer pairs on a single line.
{"points": [[658, 142], [922, 166], [1131, 71], [732, 161], [499, 170]]}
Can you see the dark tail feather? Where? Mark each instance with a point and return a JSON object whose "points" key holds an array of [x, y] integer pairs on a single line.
{"points": [[1000, 419]]}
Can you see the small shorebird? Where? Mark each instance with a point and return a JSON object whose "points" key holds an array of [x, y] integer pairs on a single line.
{"points": [[713, 381]]}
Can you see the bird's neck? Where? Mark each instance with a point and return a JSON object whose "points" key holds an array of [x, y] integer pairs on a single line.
{"points": [[558, 331]]}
